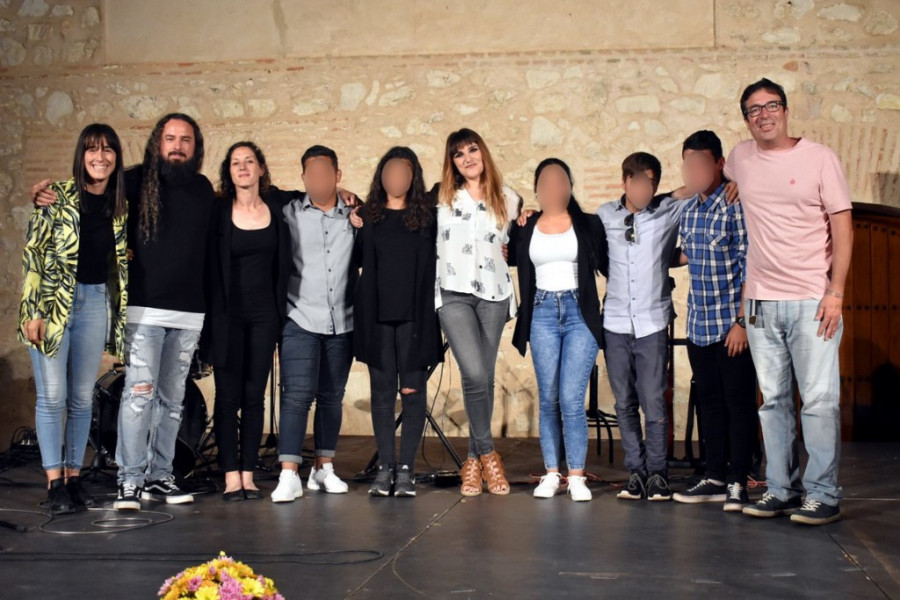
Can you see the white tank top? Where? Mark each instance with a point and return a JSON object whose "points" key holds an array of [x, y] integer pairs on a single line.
{"points": [[555, 259]]}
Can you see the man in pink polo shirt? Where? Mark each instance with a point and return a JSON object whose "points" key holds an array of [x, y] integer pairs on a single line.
{"points": [[800, 237]]}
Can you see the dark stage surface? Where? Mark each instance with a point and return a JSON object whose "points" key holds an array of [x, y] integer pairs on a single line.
{"points": [[440, 545]]}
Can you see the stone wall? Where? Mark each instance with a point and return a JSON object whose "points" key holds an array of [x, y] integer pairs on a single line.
{"points": [[588, 81]]}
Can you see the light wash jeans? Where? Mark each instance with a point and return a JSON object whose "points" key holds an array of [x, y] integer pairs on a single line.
{"points": [[149, 421], [564, 351], [65, 383], [787, 338]]}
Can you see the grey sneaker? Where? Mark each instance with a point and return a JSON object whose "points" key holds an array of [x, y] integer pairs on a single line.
{"points": [[405, 484], [770, 506], [384, 479], [814, 512]]}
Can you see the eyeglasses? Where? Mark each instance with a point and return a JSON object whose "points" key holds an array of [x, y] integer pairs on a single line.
{"points": [[630, 234], [756, 109]]}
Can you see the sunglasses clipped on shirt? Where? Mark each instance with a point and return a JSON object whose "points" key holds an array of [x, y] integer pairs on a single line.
{"points": [[630, 234]]}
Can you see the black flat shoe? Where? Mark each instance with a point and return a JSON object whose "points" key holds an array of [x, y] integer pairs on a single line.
{"points": [[58, 498], [253, 494], [235, 496]]}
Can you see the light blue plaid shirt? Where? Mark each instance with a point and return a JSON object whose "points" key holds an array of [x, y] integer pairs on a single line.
{"points": [[714, 240]]}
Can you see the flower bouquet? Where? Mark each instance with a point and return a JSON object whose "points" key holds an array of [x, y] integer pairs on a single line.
{"points": [[222, 578]]}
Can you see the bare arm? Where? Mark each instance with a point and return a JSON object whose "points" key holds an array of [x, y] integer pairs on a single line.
{"points": [[829, 313]]}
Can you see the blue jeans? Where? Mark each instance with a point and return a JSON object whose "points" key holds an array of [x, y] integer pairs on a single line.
{"points": [[314, 367], [157, 360], [785, 339], [65, 383], [636, 368], [564, 351]]}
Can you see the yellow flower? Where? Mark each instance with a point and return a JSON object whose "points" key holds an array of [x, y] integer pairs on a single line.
{"points": [[207, 593], [252, 587]]}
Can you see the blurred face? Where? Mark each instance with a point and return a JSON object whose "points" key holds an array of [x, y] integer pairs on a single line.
{"points": [[178, 142], [700, 170], [640, 189], [769, 129], [468, 162], [245, 168], [396, 177], [553, 189], [320, 178], [99, 161]]}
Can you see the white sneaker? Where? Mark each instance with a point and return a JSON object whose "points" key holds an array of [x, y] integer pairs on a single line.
{"points": [[548, 486], [578, 488], [289, 488], [326, 479]]}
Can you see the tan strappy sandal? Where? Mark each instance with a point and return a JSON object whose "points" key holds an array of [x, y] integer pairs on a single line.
{"points": [[492, 467], [471, 476]]}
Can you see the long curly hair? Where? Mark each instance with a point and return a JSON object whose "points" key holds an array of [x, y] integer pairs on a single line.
{"points": [[148, 217], [226, 184], [419, 214]]}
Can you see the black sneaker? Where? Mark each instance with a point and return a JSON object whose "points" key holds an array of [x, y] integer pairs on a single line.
{"points": [[770, 506], [405, 485], [737, 498], [384, 479], [814, 512], [129, 497], [58, 498], [80, 497], [658, 488], [635, 489], [166, 490], [704, 491]]}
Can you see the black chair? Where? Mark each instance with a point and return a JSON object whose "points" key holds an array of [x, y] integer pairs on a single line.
{"points": [[598, 418]]}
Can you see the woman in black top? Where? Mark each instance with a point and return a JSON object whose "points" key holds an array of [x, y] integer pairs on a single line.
{"points": [[395, 326], [248, 296]]}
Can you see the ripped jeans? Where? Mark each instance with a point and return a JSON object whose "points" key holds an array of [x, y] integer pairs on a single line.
{"points": [[157, 360]]}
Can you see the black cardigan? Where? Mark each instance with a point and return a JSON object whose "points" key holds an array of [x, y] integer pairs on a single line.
{"points": [[214, 346], [365, 307], [592, 257]]}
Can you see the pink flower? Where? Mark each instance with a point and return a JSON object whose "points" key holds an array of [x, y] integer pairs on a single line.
{"points": [[194, 583]]}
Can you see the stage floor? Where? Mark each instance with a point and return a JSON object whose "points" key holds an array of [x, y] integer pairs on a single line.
{"points": [[440, 545]]}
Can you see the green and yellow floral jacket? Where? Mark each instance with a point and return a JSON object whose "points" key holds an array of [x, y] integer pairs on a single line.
{"points": [[50, 261]]}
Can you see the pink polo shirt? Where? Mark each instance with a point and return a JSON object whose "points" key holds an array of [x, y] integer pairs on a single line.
{"points": [[787, 196]]}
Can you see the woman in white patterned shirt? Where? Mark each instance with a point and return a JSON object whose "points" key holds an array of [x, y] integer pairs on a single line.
{"points": [[474, 293]]}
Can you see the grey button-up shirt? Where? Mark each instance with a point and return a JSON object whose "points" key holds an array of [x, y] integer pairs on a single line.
{"points": [[321, 248], [639, 290]]}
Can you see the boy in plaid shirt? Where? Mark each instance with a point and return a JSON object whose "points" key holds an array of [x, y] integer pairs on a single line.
{"points": [[714, 245]]}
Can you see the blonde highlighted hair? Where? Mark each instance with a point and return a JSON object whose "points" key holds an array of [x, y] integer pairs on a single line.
{"points": [[491, 180]]}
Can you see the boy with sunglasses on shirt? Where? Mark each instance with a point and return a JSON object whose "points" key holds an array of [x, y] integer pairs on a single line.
{"points": [[642, 233]]}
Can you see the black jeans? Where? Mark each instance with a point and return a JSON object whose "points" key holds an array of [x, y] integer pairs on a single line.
{"points": [[241, 386], [727, 407], [396, 345]]}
